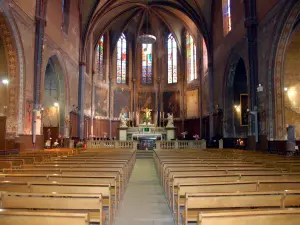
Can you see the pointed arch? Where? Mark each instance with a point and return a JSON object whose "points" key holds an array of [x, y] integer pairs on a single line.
{"points": [[122, 60], [172, 60]]}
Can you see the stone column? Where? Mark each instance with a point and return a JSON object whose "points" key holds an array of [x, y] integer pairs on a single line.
{"points": [[92, 103], [134, 101], [159, 106], [110, 102], [81, 83], [211, 99], [201, 75], [40, 24], [134, 81], [251, 26]]}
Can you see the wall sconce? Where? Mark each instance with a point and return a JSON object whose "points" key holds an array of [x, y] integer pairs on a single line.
{"points": [[260, 88], [5, 81], [237, 108]]}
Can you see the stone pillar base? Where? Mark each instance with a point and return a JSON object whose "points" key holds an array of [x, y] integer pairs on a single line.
{"points": [[123, 133], [170, 133]]}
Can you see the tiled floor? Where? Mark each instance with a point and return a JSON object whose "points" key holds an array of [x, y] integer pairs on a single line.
{"points": [[144, 202]]}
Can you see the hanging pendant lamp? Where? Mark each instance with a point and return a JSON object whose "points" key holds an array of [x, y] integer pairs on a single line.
{"points": [[147, 38]]}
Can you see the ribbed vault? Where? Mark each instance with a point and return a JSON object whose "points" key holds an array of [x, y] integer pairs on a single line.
{"points": [[118, 16]]}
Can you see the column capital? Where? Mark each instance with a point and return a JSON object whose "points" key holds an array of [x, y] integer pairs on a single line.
{"points": [[42, 20]]}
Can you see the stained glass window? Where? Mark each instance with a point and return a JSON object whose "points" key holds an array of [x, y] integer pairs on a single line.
{"points": [[172, 60], [121, 60], [191, 58], [99, 59], [65, 15], [205, 57], [146, 64], [226, 16]]}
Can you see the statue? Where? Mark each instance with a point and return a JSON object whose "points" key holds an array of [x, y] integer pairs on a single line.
{"points": [[170, 120], [147, 117], [123, 120]]}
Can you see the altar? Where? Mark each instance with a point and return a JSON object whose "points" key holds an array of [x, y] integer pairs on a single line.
{"points": [[147, 132]]}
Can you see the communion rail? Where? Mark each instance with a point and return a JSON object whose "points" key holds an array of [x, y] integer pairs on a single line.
{"points": [[177, 144]]}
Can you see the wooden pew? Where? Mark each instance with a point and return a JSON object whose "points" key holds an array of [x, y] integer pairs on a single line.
{"points": [[196, 203], [266, 217], [182, 179], [178, 200], [91, 204], [190, 167], [112, 180], [65, 188], [8, 217], [15, 162], [73, 171], [5, 164], [190, 175], [82, 165]]}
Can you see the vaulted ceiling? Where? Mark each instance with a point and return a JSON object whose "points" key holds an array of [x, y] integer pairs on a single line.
{"points": [[98, 16]]}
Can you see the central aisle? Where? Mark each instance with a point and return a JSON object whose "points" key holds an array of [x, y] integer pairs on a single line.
{"points": [[144, 201]]}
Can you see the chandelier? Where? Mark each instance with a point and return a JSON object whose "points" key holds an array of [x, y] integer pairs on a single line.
{"points": [[146, 38]]}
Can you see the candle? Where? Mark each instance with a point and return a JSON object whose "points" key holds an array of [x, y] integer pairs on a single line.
{"points": [[129, 115]]}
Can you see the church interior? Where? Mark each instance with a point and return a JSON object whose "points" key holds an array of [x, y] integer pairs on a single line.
{"points": [[160, 112]]}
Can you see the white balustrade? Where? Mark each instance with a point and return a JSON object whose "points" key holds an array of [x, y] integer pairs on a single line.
{"points": [[178, 144]]}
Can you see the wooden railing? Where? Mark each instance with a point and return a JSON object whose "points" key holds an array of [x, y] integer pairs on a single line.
{"points": [[198, 144]]}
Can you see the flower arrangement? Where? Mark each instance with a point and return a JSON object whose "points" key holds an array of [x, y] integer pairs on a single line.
{"points": [[80, 144], [196, 137]]}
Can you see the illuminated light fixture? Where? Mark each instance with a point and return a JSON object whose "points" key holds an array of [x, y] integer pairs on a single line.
{"points": [[146, 39], [237, 108], [286, 89], [5, 81], [56, 104], [291, 93]]}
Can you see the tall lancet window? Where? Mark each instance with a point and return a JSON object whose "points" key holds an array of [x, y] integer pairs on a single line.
{"points": [[191, 58], [121, 60], [146, 64], [99, 59], [205, 57], [226, 5], [65, 15], [172, 60]]}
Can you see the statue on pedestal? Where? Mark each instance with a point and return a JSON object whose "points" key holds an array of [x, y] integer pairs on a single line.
{"points": [[123, 121], [170, 120]]}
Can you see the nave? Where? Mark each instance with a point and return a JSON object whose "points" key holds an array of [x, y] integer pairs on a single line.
{"points": [[183, 187]]}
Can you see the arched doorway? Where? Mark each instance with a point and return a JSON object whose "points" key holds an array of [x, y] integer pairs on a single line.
{"points": [[291, 81], [235, 122], [278, 97], [54, 101]]}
